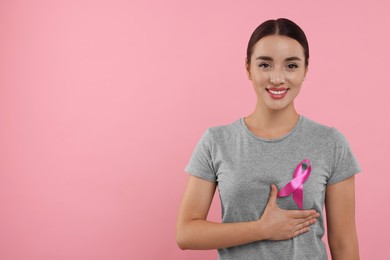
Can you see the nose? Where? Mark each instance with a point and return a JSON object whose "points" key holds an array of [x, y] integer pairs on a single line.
{"points": [[276, 78]]}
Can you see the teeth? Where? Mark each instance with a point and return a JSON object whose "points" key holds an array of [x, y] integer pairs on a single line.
{"points": [[277, 92]]}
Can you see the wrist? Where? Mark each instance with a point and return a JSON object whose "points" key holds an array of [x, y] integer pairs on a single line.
{"points": [[260, 231]]}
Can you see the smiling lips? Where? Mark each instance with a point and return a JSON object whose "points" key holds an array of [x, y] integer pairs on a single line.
{"points": [[277, 93]]}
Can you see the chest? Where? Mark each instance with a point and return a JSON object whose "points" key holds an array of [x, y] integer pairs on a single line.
{"points": [[245, 175]]}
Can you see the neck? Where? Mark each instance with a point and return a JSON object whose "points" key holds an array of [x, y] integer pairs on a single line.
{"points": [[272, 123]]}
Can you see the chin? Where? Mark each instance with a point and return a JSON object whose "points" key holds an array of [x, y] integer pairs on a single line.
{"points": [[278, 107]]}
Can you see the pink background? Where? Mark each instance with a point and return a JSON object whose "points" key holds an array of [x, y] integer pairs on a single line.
{"points": [[103, 102]]}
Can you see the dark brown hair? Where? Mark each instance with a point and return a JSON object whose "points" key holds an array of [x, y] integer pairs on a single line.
{"points": [[281, 26]]}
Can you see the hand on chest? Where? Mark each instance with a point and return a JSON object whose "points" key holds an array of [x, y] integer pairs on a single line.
{"points": [[249, 183]]}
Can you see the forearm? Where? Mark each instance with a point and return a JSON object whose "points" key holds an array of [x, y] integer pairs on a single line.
{"points": [[203, 234], [340, 215], [193, 231], [348, 253], [347, 250]]}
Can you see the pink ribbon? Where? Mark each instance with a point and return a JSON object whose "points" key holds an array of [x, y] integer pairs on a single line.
{"points": [[295, 186]]}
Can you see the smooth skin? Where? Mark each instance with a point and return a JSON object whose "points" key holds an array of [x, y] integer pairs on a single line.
{"points": [[276, 61], [340, 215]]}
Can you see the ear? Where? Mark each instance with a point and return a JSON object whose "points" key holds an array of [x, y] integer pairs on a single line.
{"points": [[247, 67], [307, 68]]}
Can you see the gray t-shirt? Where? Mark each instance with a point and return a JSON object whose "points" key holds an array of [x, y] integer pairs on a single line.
{"points": [[245, 165]]}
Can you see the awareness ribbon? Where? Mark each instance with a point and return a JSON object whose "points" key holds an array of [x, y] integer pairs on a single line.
{"points": [[295, 186]]}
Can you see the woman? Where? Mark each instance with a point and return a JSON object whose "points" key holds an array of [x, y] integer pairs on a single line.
{"points": [[274, 169]]}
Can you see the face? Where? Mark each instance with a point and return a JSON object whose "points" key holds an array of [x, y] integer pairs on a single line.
{"points": [[277, 70]]}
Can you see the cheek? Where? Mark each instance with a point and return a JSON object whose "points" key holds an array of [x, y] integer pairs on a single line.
{"points": [[261, 78], [295, 79]]}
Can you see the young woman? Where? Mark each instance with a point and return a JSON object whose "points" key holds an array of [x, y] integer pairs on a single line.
{"points": [[274, 169]]}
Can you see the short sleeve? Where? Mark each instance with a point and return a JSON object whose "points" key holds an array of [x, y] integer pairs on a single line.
{"points": [[345, 164], [201, 164]]}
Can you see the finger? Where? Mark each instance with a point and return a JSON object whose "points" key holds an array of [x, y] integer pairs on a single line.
{"points": [[273, 195], [302, 213], [301, 231], [312, 219], [305, 224]]}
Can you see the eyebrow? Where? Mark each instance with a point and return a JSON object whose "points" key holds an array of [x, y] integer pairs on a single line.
{"points": [[270, 58]]}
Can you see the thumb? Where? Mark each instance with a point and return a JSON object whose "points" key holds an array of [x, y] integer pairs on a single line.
{"points": [[273, 195]]}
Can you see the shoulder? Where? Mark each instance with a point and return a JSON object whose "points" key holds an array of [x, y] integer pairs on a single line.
{"points": [[225, 129], [315, 126], [325, 134], [320, 130], [224, 132]]}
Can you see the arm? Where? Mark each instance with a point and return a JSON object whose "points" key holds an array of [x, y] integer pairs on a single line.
{"points": [[193, 231], [340, 214]]}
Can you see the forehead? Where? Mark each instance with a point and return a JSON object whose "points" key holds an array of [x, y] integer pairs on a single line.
{"points": [[278, 46]]}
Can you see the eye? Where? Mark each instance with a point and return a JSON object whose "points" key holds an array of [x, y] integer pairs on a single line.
{"points": [[264, 65], [292, 66]]}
